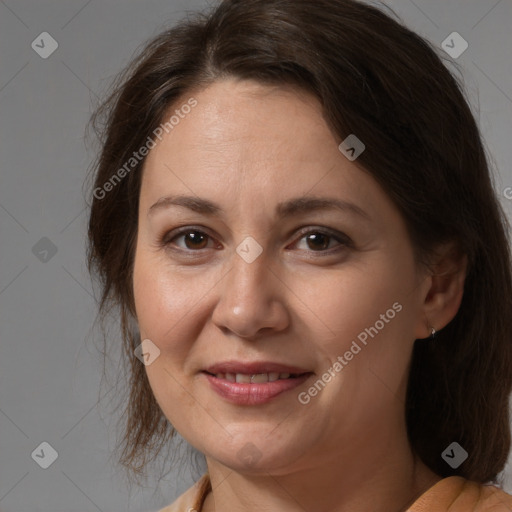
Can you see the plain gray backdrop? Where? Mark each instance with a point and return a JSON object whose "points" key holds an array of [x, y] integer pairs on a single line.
{"points": [[50, 369]]}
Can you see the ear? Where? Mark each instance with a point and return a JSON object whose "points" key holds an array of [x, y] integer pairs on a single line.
{"points": [[444, 289]]}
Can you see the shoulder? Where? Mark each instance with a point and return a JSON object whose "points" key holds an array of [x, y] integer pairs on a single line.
{"points": [[192, 499], [456, 494], [493, 499]]}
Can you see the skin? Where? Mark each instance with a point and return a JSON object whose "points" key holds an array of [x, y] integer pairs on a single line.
{"points": [[248, 147]]}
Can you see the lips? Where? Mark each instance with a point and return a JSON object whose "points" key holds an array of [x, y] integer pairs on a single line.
{"points": [[254, 383]]}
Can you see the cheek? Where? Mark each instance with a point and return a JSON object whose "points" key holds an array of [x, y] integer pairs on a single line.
{"points": [[160, 294], [168, 303], [152, 297], [164, 304], [368, 313], [352, 300]]}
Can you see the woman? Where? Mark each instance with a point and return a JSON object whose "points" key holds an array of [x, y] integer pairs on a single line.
{"points": [[293, 213]]}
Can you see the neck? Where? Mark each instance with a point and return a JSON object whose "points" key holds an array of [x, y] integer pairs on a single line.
{"points": [[381, 475]]}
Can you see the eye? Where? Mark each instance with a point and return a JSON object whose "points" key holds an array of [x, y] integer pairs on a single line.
{"points": [[322, 241], [319, 241], [193, 239]]}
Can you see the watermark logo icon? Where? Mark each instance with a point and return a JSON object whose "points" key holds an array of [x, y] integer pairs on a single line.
{"points": [[44, 250], [454, 455], [44, 45], [45, 455], [147, 352], [352, 147], [454, 45], [249, 454], [249, 249]]}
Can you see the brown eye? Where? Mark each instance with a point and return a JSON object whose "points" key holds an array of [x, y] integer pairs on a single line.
{"points": [[195, 240], [318, 241], [192, 240]]}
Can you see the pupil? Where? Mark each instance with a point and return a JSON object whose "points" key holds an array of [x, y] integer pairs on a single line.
{"points": [[195, 239], [320, 239]]}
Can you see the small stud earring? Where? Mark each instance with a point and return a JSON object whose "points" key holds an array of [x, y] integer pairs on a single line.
{"points": [[433, 334]]}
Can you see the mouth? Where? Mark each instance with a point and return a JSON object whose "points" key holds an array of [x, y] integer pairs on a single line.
{"points": [[255, 378], [254, 383]]}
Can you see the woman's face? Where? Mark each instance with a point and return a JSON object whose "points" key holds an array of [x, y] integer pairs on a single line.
{"points": [[262, 251]]}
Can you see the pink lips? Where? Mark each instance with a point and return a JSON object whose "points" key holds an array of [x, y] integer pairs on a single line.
{"points": [[222, 378]]}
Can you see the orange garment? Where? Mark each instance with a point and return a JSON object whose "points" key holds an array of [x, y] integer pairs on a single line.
{"points": [[456, 494], [452, 494]]}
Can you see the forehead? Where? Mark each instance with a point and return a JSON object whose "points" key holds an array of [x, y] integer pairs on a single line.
{"points": [[254, 143], [251, 121]]}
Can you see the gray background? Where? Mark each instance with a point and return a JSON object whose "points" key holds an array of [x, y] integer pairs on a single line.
{"points": [[50, 369]]}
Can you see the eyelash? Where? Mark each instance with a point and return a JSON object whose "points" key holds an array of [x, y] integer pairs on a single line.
{"points": [[341, 238]]}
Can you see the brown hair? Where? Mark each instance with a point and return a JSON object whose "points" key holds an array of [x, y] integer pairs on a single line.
{"points": [[377, 79]]}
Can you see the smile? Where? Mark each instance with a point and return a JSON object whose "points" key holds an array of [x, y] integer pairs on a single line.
{"points": [[254, 389], [256, 378]]}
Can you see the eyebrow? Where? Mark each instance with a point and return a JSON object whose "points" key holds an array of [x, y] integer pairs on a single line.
{"points": [[298, 205]]}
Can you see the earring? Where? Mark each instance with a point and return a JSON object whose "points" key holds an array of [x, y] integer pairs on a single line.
{"points": [[433, 334]]}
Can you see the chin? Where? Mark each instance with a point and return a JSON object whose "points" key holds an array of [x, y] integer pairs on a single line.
{"points": [[254, 455]]}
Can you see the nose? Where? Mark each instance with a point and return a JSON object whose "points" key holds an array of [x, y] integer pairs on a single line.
{"points": [[252, 299]]}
